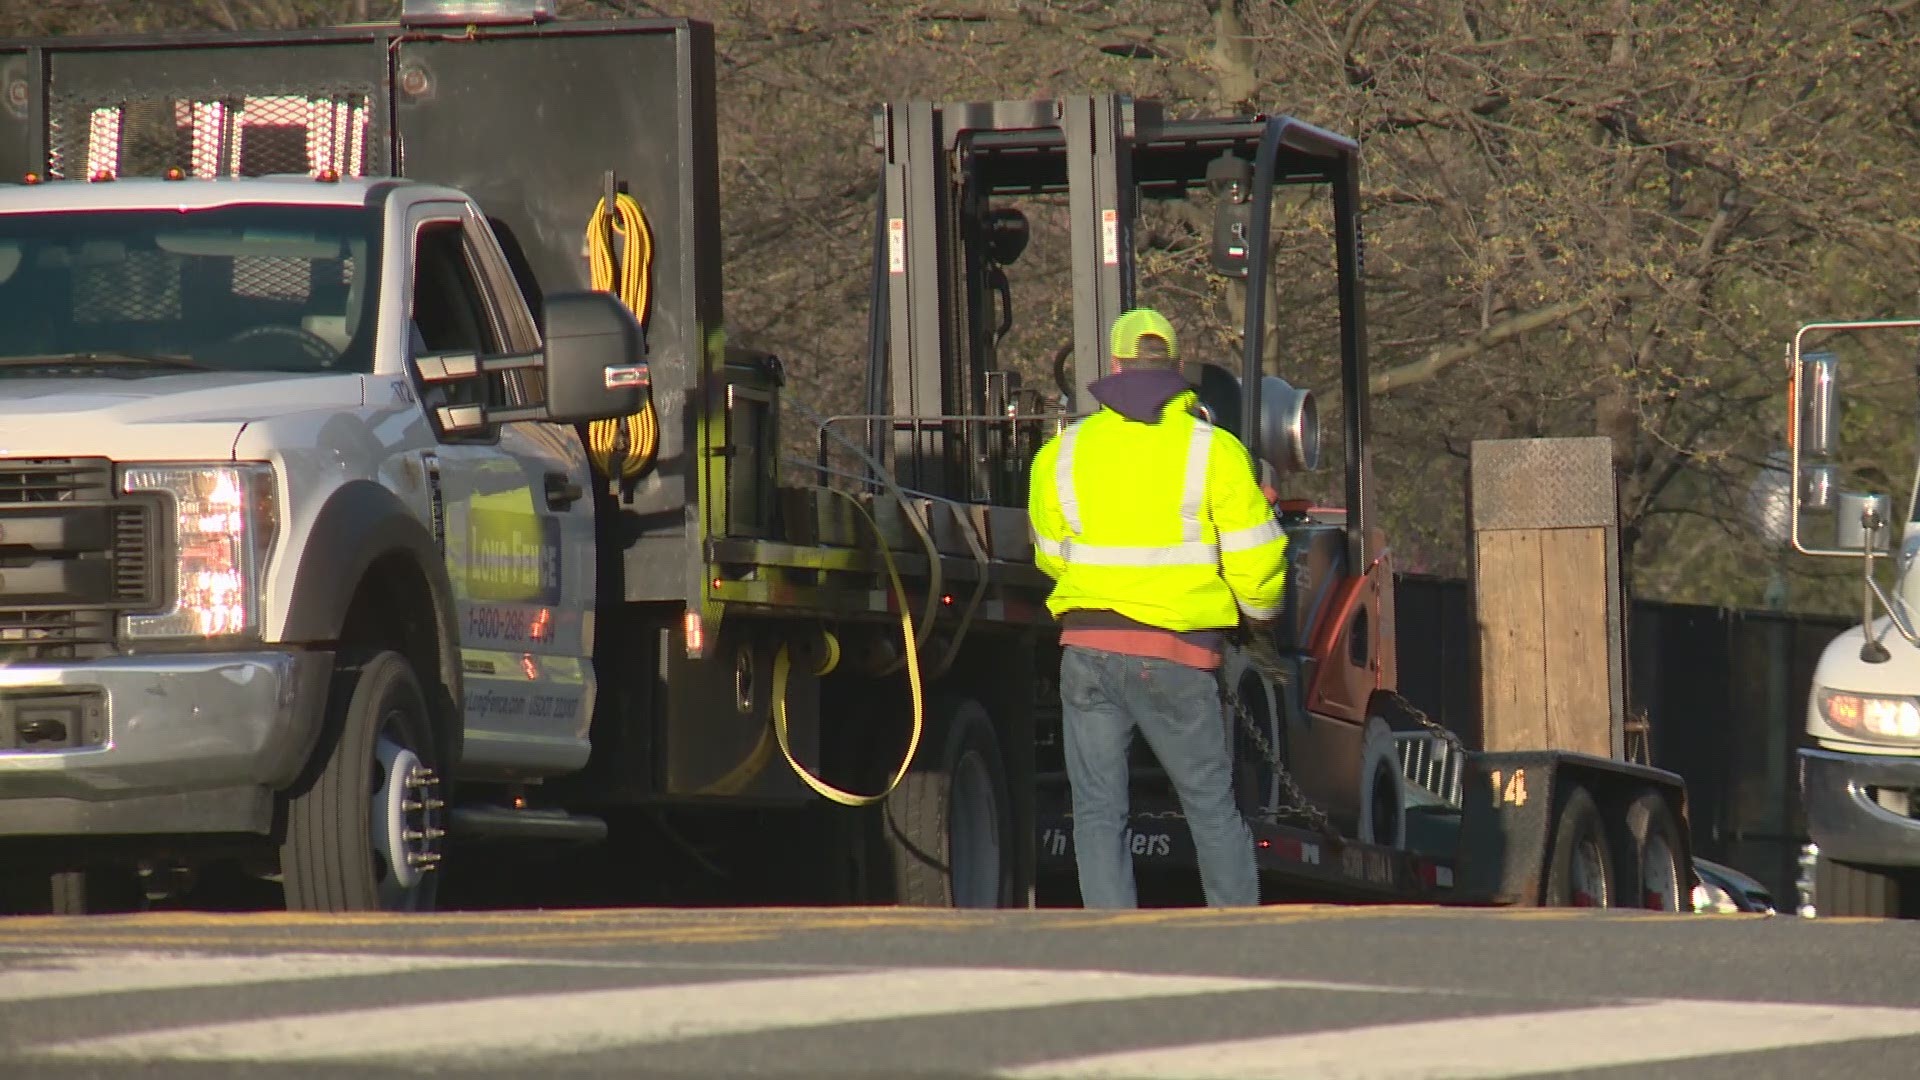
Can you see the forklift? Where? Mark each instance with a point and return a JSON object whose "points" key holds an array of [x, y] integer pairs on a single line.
{"points": [[1352, 791]]}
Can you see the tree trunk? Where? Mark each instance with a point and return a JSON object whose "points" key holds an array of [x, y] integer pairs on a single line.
{"points": [[1238, 81]]}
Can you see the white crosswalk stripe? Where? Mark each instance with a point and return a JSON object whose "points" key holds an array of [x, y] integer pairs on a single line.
{"points": [[1506, 1045], [419, 1025], [64, 976], [590, 1020]]}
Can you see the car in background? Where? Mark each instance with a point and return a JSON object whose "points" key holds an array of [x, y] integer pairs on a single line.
{"points": [[1721, 890]]}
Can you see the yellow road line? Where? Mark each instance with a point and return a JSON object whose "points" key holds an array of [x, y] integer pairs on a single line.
{"points": [[717, 925], [311, 943], [320, 918], [641, 920]]}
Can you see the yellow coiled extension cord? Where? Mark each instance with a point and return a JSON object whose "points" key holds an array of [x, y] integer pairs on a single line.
{"points": [[641, 430]]}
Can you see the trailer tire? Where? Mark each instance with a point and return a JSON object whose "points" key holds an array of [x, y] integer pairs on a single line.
{"points": [[1847, 890], [1580, 870], [1383, 789], [364, 825], [1652, 875], [947, 825]]}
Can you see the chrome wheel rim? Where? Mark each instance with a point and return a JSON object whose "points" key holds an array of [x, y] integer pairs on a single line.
{"points": [[406, 820], [1660, 885], [1590, 886]]}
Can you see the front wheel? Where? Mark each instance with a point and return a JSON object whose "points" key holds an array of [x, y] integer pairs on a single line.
{"points": [[1383, 796], [365, 825]]}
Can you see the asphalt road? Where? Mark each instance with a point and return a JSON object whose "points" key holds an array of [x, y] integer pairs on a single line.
{"points": [[1364, 993]]}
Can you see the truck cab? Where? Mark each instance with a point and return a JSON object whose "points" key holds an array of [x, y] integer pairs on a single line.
{"points": [[1860, 764], [291, 511]]}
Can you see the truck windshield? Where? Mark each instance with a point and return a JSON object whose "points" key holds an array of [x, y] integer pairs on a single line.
{"points": [[234, 288]]}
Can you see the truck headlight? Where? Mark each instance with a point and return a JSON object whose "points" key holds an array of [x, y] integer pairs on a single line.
{"points": [[224, 517], [1870, 715]]}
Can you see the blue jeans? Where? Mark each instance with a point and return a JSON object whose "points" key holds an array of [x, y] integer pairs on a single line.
{"points": [[1103, 696]]}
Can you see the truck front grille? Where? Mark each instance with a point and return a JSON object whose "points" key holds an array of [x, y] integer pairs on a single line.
{"points": [[1902, 801], [38, 634], [30, 481], [135, 572], [1429, 763], [62, 515]]}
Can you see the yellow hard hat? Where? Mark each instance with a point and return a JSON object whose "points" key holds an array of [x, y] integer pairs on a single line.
{"points": [[1138, 323]]}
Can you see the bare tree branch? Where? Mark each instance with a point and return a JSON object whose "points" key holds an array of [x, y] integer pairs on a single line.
{"points": [[1439, 360]]}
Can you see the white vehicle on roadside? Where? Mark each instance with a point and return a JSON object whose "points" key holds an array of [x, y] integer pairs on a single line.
{"points": [[280, 467], [1860, 772]]}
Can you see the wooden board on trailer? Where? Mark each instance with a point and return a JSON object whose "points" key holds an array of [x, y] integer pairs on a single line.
{"points": [[1550, 640]]}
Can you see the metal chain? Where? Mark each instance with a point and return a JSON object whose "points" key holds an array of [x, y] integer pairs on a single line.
{"points": [[1261, 658], [1294, 803], [1418, 716]]}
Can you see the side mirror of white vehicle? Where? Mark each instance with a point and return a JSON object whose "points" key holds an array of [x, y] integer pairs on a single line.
{"points": [[593, 365]]}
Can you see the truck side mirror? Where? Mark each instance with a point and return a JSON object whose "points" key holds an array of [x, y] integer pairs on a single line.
{"points": [[593, 365], [1818, 372], [591, 362], [1817, 486]]}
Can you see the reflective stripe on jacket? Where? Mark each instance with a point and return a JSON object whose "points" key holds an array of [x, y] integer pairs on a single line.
{"points": [[1163, 523]]}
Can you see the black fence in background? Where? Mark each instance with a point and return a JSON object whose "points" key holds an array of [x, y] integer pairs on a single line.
{"points": [[1725, 693]]}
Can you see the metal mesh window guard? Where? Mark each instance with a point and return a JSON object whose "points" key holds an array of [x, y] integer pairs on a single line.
{"points": [[273, 278], [251, 135], [144, 287]]}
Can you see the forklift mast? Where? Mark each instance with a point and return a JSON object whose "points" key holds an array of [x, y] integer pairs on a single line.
{"points": [[941, 408]]}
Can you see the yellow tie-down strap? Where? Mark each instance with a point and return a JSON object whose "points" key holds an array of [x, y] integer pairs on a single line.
{"points": [[783, 667]]}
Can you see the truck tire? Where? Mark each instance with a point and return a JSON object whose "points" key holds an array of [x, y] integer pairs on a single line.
{"points": [[1652, 875], [1255, 782], [1844, 890], [947, 825], [364, 826], [1383, 795], [1580, 871]]}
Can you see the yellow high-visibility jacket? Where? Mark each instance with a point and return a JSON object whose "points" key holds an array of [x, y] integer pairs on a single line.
{"points": [[1163, 523]]}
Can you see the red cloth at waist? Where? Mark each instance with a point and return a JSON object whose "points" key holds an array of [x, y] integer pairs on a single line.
{"points": [[1144, 641]]}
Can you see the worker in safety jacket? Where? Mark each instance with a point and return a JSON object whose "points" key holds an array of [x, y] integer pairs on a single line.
{"points": [[1154, 528]]}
